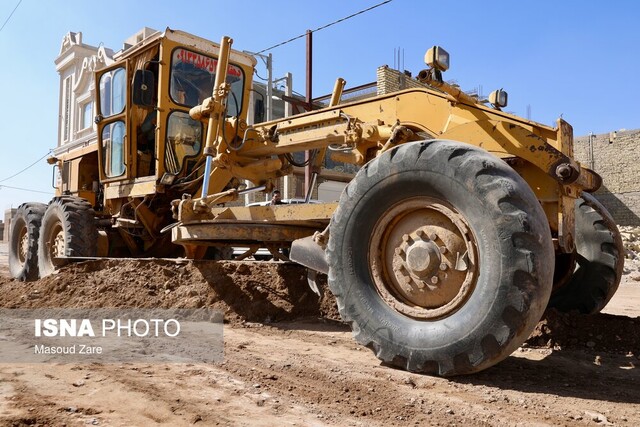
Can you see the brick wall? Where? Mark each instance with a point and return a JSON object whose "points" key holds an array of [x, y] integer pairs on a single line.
{"points": [[390, 80], [616, 157]]}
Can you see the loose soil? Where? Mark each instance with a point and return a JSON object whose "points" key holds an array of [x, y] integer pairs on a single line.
{"points": [[290, 361]]}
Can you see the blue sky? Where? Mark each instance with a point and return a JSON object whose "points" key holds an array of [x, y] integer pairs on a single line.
{"points": [[575, 58]]}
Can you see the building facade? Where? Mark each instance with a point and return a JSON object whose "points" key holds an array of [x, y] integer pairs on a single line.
{"points": [[75, 64], [616, 157]]}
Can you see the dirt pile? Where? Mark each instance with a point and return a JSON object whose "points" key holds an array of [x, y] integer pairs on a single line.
{"points": [[245, 292], [260, 292], [599, 332]]}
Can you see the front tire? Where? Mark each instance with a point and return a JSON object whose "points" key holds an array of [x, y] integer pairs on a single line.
{"points": [[440, 258], [68, 230], [598, 260], [23, 241]]}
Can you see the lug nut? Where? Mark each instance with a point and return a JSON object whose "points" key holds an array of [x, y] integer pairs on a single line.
{"points": [[434, 280], [407, 285], [420, 233], [405, 238], [443, 249], [443, 267], [433, 236], [398, 251]]}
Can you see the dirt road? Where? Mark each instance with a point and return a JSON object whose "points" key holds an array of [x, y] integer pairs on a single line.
{"points": [[288, 363]]}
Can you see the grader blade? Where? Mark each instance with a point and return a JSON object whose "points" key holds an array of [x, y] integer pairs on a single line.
{"points": [[307, 252]]}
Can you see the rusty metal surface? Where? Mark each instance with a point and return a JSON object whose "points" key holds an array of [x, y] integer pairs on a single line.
{"points": [[566, 222], [423, 258], [565, 137], [239, 232], [316, 212]]}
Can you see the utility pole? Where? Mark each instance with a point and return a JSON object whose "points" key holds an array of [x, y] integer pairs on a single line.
{"points": [[268, 62], [269, 105]]}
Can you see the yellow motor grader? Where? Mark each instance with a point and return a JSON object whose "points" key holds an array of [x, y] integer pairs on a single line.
{"points": [[462, 225]]}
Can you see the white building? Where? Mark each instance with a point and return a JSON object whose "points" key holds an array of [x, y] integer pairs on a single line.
{"points": [[75, 64]]}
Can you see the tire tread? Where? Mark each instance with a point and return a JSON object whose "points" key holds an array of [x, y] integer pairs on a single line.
{"points": [[496, 181]]}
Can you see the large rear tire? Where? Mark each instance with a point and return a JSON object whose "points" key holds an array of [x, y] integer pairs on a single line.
{"points": [[68, 230], [598, 260], [440, 258], [23, 241]]}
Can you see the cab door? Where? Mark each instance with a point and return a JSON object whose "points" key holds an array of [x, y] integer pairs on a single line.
{"points": [[113, 134]]}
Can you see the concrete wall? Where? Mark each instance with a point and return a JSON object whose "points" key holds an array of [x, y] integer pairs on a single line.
{"points": [[616, 157]]}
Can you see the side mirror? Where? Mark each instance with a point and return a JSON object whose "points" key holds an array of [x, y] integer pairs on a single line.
{"points": [[144, 87], [498, 98]]}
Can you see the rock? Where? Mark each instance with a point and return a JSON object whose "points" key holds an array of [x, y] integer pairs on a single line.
{"points": [[410, 382], [597, 417]]}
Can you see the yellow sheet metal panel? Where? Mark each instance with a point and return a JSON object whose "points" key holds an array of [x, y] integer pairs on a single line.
{"points": [[138, 188], [290, 214], [238, 232]]}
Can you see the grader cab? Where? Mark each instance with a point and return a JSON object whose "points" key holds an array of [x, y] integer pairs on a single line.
{"points": [[463, 224]]}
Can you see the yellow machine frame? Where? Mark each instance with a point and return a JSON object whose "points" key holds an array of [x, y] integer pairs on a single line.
{"points": [[359, 131]]}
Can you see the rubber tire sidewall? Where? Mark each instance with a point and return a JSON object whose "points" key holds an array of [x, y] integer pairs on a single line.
{"points": [[80, 233], [29, 216], [500, 313], [599, 263]]}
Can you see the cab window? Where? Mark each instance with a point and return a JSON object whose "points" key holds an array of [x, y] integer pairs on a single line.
{"points": [[113, 92], [184, 139], [113, 136], [193, 76]]}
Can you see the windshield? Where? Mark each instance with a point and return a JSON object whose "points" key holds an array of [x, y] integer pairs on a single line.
{"points": [[193, 76]]}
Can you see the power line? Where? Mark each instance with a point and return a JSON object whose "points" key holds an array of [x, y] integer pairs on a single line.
{"points": [[11, 14], [30, 166], [326, 26], [24, 189]]}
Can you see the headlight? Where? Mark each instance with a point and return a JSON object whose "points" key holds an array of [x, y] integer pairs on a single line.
{"points": [[438, 58], [498, 98]]}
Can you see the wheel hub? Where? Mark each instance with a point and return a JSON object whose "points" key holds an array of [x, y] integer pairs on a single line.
{"points": [[23, 251], [425, 264], [56, 244], [421, 256]]}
